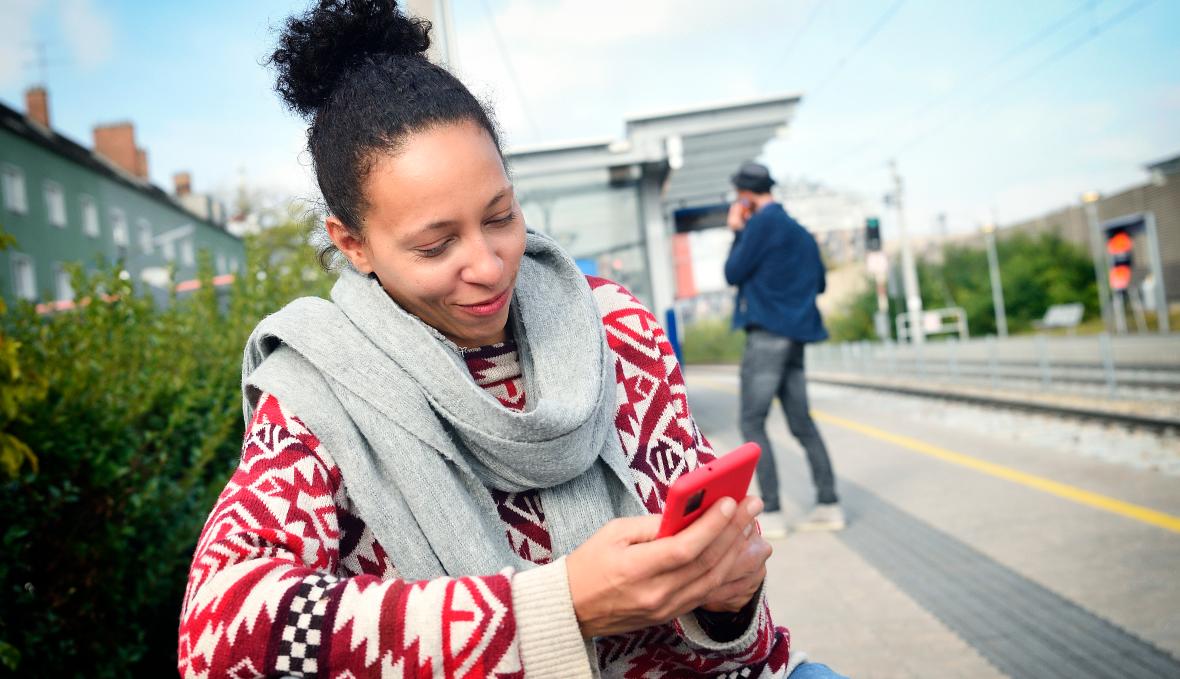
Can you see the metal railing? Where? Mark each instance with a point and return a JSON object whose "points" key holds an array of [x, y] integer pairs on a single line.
{"points": [[1138, 366]]}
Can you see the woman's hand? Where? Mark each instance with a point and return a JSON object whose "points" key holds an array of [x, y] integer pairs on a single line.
{"points": [[623, 579], [745, 577]]}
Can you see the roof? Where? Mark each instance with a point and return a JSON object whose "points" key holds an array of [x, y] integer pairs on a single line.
{"points": [[702, 146], [15, 122], [706, 144], [1166, 166], [728, 106]]}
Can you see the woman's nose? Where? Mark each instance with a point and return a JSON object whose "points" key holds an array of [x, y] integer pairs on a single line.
{"points": [[484, 266]]}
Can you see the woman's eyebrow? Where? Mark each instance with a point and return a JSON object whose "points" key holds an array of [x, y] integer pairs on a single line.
{"points": [[450, 222], [499, 195]]}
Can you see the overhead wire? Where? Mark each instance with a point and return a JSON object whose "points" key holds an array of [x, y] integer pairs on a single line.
{"points": [[1057, 55], [957, 87], [879, 24], [798, 37], [508, 65]]}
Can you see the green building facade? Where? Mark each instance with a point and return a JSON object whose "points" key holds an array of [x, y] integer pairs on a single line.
{"points": [[64, 204]]}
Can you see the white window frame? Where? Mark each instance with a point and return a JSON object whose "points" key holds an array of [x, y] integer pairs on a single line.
{"points": [[91, 224], [145, 235], [119, 227], [15, 198], [169, 249], [55, 203], [62, 288], [23, 289], [188, 254]]}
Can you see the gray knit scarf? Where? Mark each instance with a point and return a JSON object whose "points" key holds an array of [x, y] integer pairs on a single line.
{"points": [[419, 443]]}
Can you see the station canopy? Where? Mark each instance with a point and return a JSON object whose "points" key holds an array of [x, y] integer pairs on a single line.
{"points": [[697, 149]]}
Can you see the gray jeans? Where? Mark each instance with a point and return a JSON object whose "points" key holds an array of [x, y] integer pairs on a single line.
{"points": [[772, 365]]}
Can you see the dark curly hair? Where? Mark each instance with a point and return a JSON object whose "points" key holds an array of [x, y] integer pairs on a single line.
{"points": [[357, 70]]}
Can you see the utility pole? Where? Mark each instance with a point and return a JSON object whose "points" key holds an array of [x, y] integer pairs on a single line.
{"points": [[913, 295], [993, 265]]}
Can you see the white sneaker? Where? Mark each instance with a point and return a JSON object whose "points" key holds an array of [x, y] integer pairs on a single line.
{"points": [[827, 517], [773, 525]]}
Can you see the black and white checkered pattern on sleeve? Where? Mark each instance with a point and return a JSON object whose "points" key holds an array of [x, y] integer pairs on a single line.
{"points": [[302, 635]]}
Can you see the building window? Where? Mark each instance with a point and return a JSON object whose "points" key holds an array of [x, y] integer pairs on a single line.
{"points": [[62, 287], [169, 248], [221, 266], [119, 227], [24, 279], [14, 189], [145, 236], [55, 203], [187, 256], [89, 216]]}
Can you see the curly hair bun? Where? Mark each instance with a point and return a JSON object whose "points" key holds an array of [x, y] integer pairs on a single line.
{"points": [[316, 49]]}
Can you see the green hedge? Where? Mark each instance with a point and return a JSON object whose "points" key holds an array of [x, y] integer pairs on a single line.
{"points": [[712, 341], [131, 415]]}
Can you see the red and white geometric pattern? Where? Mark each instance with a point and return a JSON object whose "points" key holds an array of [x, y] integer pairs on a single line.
{"points": [[497, 369], [283, 556]]}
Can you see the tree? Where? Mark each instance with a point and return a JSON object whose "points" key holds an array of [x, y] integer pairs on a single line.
{"points": [[1037, 271]]}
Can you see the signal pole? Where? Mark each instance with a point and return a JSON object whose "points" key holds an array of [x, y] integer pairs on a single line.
{"points": [[909, 272], [878, 265], [1098, 249], [993, 267]]}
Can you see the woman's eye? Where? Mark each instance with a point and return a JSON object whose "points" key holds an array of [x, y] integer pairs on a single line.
{"points": [[503, 220], [434, 251]]}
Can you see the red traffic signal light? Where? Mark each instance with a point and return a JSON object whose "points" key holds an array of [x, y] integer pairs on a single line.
{"points": [[1119, 243], [1120, 277]]}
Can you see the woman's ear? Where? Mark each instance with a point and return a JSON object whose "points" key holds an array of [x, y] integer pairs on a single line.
{"points": [[349, 244]]}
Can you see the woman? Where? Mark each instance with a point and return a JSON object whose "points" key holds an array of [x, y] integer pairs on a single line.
{"points": [[454, 467]]}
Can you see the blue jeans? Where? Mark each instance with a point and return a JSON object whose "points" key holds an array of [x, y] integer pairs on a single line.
{"points": [[811, 670], [772, 365]]}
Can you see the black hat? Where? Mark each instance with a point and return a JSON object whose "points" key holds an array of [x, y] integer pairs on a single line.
{"points": [[754, 177]]}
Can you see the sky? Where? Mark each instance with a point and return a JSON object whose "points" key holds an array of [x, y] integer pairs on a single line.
{"points": [[1001, 109]]}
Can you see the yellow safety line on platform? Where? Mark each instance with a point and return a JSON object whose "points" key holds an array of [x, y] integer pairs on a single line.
{"points": [[1085, 497]]}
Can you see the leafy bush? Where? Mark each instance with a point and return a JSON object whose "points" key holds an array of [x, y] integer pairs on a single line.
{"points": [[135, 428], [1036, 271], [712, 341]]}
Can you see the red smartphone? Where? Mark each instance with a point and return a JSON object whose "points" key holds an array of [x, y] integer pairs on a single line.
{"points": [[692, 494]]}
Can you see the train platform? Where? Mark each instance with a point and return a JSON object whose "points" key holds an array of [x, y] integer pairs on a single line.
{"points": [[981, 543]]}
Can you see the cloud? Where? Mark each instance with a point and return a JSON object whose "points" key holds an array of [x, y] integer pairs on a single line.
{"points": [[91, 34], [15, 32]]}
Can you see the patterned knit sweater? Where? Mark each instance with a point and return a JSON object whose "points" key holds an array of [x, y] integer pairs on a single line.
{"points": [[288, 581]]}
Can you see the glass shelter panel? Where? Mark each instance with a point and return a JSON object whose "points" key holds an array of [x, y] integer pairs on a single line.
{"points": [[596, 220]]}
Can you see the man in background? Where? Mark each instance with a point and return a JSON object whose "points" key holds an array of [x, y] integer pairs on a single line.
{"points": [[776, 265]]}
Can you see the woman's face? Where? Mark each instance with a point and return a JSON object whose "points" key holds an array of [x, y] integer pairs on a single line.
{"points": [[443, 232]]}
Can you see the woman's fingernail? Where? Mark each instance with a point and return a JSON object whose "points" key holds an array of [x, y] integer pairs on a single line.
{"points": [[728, 507], [756, 506]]}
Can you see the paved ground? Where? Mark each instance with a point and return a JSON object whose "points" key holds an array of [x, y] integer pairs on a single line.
{"points": [[971, 552]]}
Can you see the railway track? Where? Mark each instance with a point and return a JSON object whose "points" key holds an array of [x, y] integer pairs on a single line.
{"points": [[1130, 419]]}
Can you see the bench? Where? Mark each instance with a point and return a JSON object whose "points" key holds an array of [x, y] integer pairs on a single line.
{"points": [[1063, 316]]}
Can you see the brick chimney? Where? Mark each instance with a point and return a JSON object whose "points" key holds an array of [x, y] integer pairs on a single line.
{"points": [[37, 105], [183, 184], [117, 142]]}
